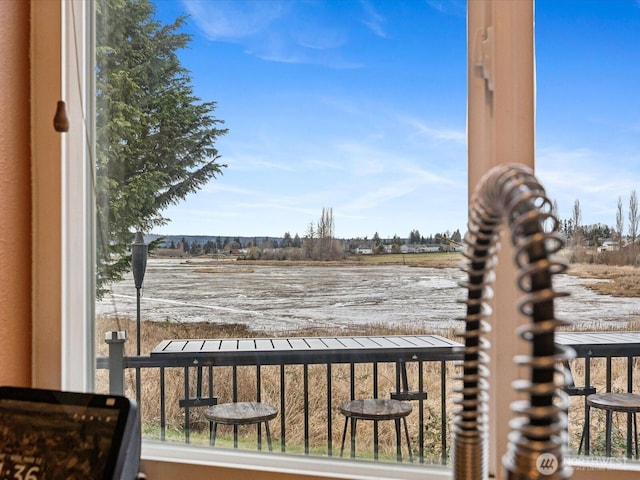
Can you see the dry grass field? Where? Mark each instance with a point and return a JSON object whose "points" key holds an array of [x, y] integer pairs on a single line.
{"points": [[433, 260], [623, 281], [615, 281]]}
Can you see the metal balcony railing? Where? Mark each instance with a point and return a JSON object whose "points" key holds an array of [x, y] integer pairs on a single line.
{"points": [[308, 386], [306, 379]]}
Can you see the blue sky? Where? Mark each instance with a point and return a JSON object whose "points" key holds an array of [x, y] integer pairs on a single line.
{"points": [[360, 106]]}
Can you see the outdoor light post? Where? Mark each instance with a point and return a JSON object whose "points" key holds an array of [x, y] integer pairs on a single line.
{"points": [[138, 265]]}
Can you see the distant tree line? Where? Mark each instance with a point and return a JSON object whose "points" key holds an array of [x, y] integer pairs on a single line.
{"points": [[318, 243]]}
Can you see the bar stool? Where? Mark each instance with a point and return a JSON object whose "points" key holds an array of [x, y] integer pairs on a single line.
{"points": [[376, 409], [617, 402], [241, 413]]}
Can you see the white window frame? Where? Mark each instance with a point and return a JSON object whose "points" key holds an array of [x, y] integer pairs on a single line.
{"points": [[62, 272], [63, 282]]}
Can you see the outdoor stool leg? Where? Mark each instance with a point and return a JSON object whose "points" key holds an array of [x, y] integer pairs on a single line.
{"points": [[582, 438], [344, 434], [629, 435], [354, 422], [584, 425], [406, 431], [268, 433], [635, 427], [375, 440], [587, 428], [607, 440], [214, 429], [398, 440]]}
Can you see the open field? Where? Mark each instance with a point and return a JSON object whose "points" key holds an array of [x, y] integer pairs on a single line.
{"points": [[616, 280], [623, 281], [403, 291], [432, 260]]}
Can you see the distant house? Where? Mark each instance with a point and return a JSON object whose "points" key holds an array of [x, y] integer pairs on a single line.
{"points": [[609, 246], [427, 248], [364, 250], [404, 248], [413, 248]]}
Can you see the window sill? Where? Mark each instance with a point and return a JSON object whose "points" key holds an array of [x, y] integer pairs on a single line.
{"points": [[166, 461]]}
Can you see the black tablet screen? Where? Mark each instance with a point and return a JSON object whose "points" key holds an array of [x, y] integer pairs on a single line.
{"points": [[59, 437]]}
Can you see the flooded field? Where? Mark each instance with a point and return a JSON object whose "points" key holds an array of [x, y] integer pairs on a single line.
{"points": [[289, 298]]}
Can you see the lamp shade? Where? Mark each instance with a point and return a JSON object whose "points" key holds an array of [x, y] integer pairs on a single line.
{"points": [[139, 259]]}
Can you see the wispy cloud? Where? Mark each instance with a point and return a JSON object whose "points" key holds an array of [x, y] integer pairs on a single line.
{"points": [[230, 20], [586, 175], [283, 31], [386, 176], [324, 165], [449, 7], [259, 157], [582, 163], [385, 192], [277, 205], [257, 163], [436, 133], [428, 177], [373, 20], [221, 187], [363, 159], [382, 194], [436, 5]]}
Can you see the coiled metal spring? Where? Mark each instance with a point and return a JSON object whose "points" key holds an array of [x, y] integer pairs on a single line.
{"points": [[510, 194]]}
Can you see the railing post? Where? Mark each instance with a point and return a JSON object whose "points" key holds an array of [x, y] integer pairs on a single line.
{"points": [[115, 340]]}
